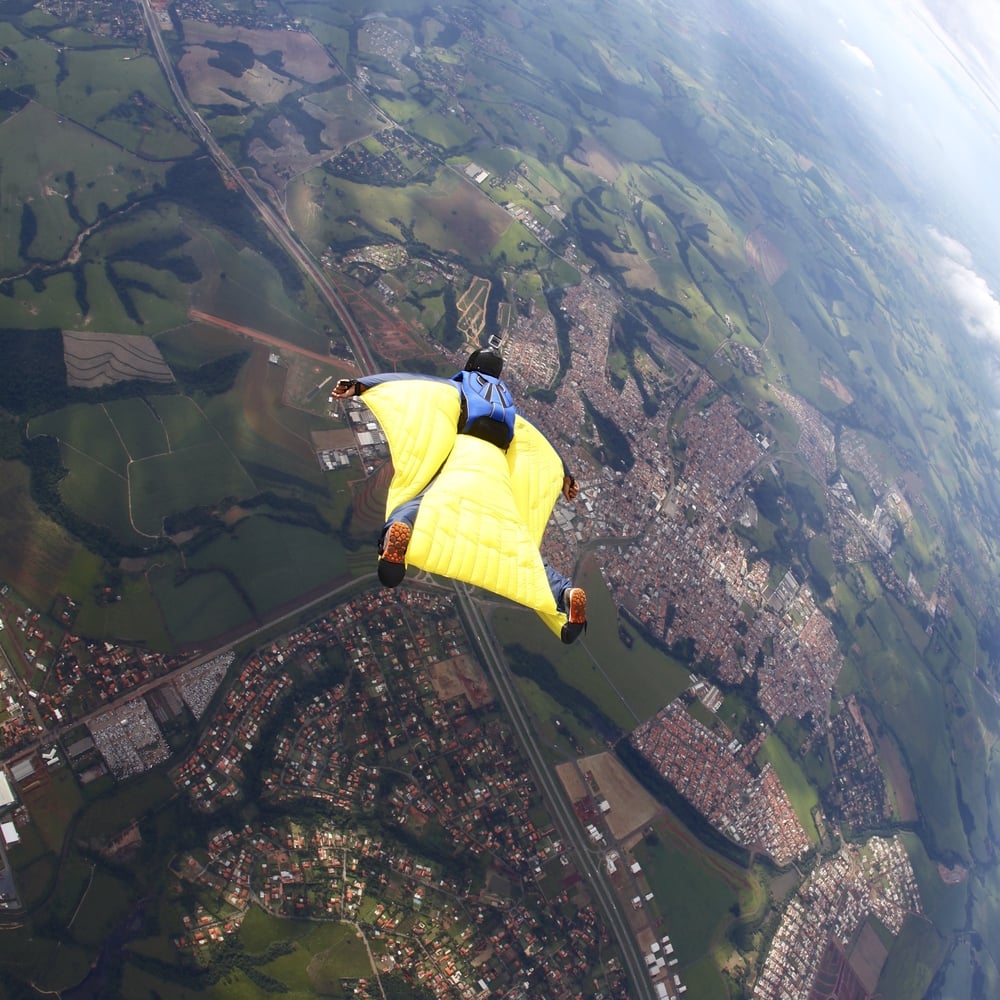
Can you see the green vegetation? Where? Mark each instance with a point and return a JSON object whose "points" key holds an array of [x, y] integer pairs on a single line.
{"points": [[725, 220], [800, 792]]}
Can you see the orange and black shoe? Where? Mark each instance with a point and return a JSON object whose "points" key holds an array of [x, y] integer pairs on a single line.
{"points": [[392, 554], [575, 602]]}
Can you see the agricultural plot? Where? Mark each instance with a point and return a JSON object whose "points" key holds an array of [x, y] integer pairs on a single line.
{"points": [[183, 422], [197, 607], [269, 438], [198, 476], [43, 158], [242, 285], [96, 359], [628, 685], [135, 618], [274, 562], [87, 429], [36, 554], [139, 426], [448, 213], [697, 888], [98, 495]]}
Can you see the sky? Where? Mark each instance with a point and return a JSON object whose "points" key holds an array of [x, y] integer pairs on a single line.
{"points": [[926, 76]]}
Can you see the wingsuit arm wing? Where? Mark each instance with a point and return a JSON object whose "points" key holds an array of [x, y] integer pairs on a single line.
{"points": [[536, 472], [419, 418]]}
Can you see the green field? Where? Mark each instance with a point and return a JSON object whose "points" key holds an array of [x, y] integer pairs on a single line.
{"points": [[88, 430], [628, 685], [800, 792], [197, 607], [197, 476], [139, 426], [274, 562], [696, 892]]}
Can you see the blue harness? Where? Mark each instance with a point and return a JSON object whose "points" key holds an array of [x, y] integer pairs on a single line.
{"points": [[487, 408]]}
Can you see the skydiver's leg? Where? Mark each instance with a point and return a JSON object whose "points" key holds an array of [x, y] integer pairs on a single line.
{"points": [[571, 601], [394, 539], [558, 584]]}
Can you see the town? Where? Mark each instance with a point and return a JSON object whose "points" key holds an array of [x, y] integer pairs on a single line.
{"points": [[375, 731]]}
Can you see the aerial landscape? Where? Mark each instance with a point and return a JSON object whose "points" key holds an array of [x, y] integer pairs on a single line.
{"points": [[737, 258]]}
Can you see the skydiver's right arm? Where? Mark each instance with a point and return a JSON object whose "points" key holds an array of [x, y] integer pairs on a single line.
{"points": [[348, 387]]}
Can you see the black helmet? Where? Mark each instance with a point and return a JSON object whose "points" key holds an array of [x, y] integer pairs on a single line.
{"points": [[485, 360]]}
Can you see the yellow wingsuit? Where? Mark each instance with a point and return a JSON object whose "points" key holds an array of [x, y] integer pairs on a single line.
{"points": [[482, 518]]}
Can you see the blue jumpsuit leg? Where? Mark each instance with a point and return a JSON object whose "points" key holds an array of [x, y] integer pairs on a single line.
{"points": [[405, 512], [558, 584]]}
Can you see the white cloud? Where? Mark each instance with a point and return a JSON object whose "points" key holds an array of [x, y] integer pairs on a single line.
{"points": [[977, 306], [859, 54]]}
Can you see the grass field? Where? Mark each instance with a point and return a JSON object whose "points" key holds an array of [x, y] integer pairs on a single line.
{"points": [[49, 148], [198, 476], [98, 495], [203, 606], [139, 426], [913, 961], [35, 553], [800, 792], [695, 891], [136, 618], [324, 952], [86, 429], [628, 685], [273, 561]]}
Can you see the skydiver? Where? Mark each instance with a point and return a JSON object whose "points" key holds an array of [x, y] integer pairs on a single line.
{"points": [[488, 413]]}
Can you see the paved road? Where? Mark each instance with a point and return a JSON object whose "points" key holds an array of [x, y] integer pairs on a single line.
{"points": [[589, 862], [275, 222]]}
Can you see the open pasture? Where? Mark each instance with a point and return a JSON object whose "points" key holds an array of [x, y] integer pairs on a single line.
{"points": [[241, 285], [193, 345], [629, 686], [800, 793], [198, 608], [324, 953], [269, 438], [183, 422], [198, 476], [694, 889], [85, 428], [302, 61], [302, 57], [909, 704], [345, 117], [136, 617], [274, 562], [324, 25], [450, 213], [139, 426], [98, 495]]}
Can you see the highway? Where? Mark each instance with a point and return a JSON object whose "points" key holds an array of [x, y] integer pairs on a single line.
{"points": [[276, 223], [588, 860]]}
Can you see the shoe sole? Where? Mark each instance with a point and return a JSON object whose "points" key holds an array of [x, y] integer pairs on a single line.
{"points": [[577, 606], [397, 538]]}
